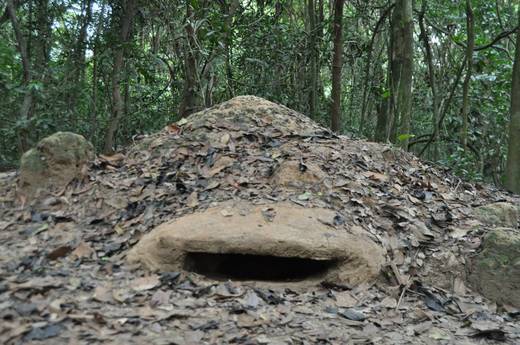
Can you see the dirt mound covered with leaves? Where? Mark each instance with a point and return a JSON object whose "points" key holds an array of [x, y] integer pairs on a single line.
{"points": [[65, 277]]}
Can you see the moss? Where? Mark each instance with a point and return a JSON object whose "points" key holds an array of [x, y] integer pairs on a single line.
{"points": [[54, 162], [496, 269], [33, 161], [65, 147]]}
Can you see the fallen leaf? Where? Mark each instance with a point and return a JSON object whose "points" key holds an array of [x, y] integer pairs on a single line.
{"points": [[146, 283], [221, 164], [192, 200], [121, 295], [5, 225], [173, 129], [103, 293], [114, 160], [83, 250], [119, 229], [160, 297], [305, 196], [225, 138], [59, 252], [182, 122], [438, 334], [345, 300], [389, 302], [45, 332]]}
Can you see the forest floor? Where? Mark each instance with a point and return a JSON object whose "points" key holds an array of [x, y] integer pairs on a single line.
{"points": [[64, 277]]}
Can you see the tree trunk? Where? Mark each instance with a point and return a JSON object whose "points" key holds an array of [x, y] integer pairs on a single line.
{"points": [[382, 104], [228, 10], [385, 113], [469, 68], [190, 96], [78, 56], [402, 68], [432, 80], [41, 46], [513, 154], [25, 109], [125, 24], [337, 62], [367, 83], [313, 57], [93, 134]]}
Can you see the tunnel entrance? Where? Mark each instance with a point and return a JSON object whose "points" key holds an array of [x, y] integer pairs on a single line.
{"points": [[256, 267]]}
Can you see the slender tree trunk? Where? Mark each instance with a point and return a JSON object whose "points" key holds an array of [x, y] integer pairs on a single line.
{"points": [[190, 96], [25, 109], [470, 45], [78, 56], [93, 135], [382, 104], [337, 62], [313, 57], [41, 45], [385, 113], [513, 154], [367, 83], [402, 67], [228, 10], [432, 80], [118, 106]]}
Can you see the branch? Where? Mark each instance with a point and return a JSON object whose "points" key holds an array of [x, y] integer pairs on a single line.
{"points": [[446, 105], [422, 139], [495, 40], [369, 59], [5, 15]]}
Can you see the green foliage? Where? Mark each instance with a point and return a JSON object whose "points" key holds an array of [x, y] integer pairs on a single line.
{"points": [[244, 47]]}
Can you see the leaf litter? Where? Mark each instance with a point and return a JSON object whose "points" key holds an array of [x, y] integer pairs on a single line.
{"points": [[64, 279]]}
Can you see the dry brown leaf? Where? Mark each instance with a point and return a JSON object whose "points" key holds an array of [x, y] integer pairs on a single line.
{"points": [[224, 139], [345, 300], [115, 160], [374, 176], [59, 252], [121, 295], [221, 164], [103, 293], [83, 250], [160, 297], [145, 283], [192, 200]]}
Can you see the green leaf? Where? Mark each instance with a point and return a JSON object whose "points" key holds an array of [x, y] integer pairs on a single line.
{"points": [[404, 137]]}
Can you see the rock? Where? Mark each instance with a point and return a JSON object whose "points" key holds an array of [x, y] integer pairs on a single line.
{"points": [[501, 214], [54, 163], [275, 242], [495, 271]]}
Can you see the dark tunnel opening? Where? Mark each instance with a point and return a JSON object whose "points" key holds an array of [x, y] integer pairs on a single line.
{"points": [[256, 267]]}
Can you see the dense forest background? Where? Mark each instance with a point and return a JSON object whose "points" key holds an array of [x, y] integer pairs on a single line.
{"points": [[434, 77]]}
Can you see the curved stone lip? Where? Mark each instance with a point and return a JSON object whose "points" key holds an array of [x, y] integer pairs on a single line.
{"points": [[279, 230]]}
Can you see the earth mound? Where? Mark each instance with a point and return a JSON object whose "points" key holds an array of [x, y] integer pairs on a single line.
{"points": [[264, 235], [65, 274]]}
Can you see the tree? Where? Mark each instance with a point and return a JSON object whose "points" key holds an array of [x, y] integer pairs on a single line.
{"points": [[401, 42], [470, 46], [313, 56], [513, 154], [190, 95], [428, 57], [335, 113], [79, 71], [27, 104], [125, 18]]}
